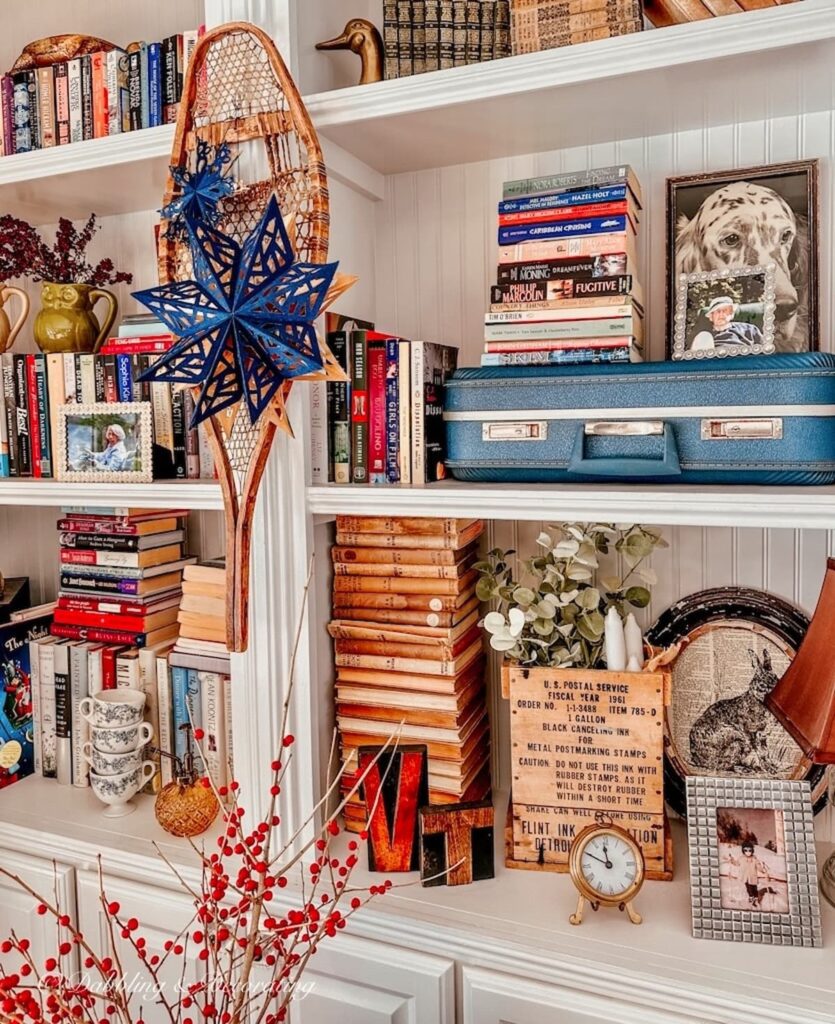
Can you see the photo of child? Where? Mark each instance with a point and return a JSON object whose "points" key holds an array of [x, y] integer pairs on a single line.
{"points": [[752, 860]]}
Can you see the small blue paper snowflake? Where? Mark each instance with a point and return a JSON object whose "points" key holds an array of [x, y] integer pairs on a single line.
{"points": [[245, 323], [200, 190]]}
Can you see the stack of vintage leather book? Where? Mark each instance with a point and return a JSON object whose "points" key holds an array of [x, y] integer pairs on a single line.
{"points": [[409, 658]]}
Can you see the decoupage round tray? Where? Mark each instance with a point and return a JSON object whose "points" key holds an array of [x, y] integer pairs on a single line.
{"points": [[738, 643]]}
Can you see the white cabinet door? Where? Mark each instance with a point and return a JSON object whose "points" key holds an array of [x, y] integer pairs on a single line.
{"points": [[161, 913], [490, 998], [18, 910], [357, 981]]}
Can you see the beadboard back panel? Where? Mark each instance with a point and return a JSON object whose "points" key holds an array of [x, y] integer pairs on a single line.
{"points": [[436, 256]]}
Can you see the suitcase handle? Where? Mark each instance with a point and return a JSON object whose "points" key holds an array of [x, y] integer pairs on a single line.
{"points": [[667, 465]]}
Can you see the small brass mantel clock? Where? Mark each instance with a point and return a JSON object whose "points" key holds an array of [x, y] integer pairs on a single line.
{"points": [[607, 867]]}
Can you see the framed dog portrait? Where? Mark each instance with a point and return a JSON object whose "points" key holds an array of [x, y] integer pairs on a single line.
{"points": [[725, 313], [753, 217], [753, 869], [105, 442]]}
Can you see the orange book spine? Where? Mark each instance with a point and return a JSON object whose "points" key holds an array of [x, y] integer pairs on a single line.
{"points": [[395, 556], [387, 585], [101, 126], [428, 572], [399, 525]]}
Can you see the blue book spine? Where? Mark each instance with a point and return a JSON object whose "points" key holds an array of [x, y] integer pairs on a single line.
{"points": [[124, 379], [560, 200], [154, 85], [392, 412], [145, 87], [99, 583], [194, 700], [179, 708], [564, 358], [22, 120], [564, 229]]}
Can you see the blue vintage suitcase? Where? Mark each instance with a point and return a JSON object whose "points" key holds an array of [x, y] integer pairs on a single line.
{"points": [[748, 420]]}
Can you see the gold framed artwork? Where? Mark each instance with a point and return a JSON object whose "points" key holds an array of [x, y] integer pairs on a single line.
{"points": [[763, 216]]}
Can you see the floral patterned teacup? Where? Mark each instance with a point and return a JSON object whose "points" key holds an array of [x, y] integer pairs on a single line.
{"points": [[117, 790], [112, 764], [121, 740], [113, 708]]}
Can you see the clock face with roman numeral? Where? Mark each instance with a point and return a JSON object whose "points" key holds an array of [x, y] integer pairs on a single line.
{"points": [[610, 864]]}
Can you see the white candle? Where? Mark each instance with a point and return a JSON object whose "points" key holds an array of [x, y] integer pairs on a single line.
{"points": [[633, 665], [634, 642], [615, 642]]}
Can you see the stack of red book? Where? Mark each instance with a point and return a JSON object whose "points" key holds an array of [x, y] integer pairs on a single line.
{"points": [[409, 652], [121, 576]]}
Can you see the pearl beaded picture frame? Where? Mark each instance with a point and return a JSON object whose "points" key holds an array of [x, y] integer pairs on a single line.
{"points": [[106, 442], [794, 852]]}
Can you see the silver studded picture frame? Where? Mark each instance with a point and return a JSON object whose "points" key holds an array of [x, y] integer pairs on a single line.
{"points": [[725, 313], [753, 869]]}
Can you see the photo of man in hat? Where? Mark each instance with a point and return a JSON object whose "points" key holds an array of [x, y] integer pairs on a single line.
{"points": [[726, 330]]}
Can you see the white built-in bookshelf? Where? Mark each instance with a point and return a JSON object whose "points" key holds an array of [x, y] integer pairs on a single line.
{"points": [[416, 167]]}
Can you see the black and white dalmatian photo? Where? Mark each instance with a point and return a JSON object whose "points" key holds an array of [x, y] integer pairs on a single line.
{"points": [[765, 216]]}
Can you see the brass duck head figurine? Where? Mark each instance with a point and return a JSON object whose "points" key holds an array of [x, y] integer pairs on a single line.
{"points": [[361, 37]]}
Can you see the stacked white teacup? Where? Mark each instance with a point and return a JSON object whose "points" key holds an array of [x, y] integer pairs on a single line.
{"points": [[116, 748]]}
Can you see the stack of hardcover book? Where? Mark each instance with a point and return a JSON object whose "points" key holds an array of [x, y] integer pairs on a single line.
{"points": [[36, 385], [568, 289], [430, 35], [385, 425], [121, 575], [105, 93], [198, 673], [409, 656], [546, 24]]}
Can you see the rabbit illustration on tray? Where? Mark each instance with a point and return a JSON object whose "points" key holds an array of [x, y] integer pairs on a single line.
{"points": [[730, 736]]}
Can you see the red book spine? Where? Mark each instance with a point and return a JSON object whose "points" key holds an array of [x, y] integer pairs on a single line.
{"points": [[100, 620], [34, 417], [78, 556], [137, 346], [97, 635], [616, 209], [101, 122], [108, 668], [95, 605], [377, 413], [106, 526]]}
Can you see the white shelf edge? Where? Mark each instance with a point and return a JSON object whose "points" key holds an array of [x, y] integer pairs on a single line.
{"points": [[773, 28], [197, 495], [78, 157], [763, 508]]}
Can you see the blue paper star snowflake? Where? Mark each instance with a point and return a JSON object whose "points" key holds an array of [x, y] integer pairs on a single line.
{"points": [[200, 190], [245, 323]]}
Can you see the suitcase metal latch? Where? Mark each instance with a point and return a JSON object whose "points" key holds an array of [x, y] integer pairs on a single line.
{"points": [[536, 430], [759, 429]]}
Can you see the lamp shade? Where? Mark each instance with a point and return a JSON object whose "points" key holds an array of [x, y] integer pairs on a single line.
{"points": [[804, 699]]}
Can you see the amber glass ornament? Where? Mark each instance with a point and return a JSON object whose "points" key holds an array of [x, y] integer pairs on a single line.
{"points": [[186, 808]]}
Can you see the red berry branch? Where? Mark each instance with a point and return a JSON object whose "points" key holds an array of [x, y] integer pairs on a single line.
{"points": [[248, 941], [24, 253]]}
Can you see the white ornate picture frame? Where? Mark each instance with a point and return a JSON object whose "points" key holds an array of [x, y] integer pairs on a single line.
{"points": [[758, 921], [87, 455], [756, 338]]}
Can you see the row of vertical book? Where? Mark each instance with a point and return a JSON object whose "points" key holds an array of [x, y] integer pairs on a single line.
{"points": [[548, 24], [568, 288], [429, 35], [385, 424], [132, 613], [409, 660], [99, 94], [36, 385]]}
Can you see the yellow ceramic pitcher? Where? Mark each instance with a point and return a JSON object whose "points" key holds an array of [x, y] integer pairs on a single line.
{"points": [[8, 333], [66, 322]]}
